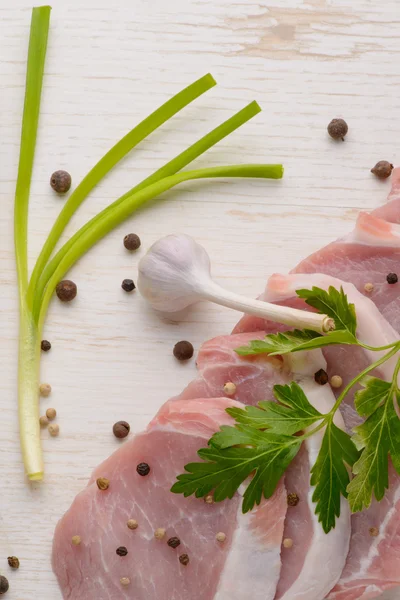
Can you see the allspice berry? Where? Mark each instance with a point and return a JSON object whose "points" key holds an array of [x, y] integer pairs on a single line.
{"points": [[43, 421], [392, 278], [132, 241], [143, 469], [373, 531], [103, 483], [184, 559], [61, 181], [45, 345], [45, 389], [66, 290], [4, 585], [183, 350], [122, 551], [51, 414], [292, 499], [383, 169], [337, 129], [13, 562], [121, 429], [54, 429]]}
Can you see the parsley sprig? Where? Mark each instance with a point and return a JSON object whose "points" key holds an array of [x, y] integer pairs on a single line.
{"points": [[264, 440]]}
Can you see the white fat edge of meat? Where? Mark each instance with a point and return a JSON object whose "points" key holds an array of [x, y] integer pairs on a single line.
{"points": [[373, 231], [327, 553], [253, 565]]}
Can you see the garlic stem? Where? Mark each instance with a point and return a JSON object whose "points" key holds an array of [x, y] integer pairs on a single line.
{"points": [[292, 317]]}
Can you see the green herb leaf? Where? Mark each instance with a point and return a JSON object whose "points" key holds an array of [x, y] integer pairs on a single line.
{"points": [[333, 303], [330, 474], [378, 437], [374, 394], [295, 415], [225, 469]]}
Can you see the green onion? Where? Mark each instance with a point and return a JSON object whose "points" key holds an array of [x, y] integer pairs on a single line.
{"points": [[35, 295]]}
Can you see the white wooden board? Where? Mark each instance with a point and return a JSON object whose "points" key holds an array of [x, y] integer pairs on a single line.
{"points": [[108, 66]]}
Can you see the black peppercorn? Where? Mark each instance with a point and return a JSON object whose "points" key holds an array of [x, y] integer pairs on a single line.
{"points": [[321, 377], [128, 285], [122, 551], [392, 278], [183, 350], [60, 181], [13, 562], [143, 469], [45, 345], [292, 499], [66, 290], [121, 429], [184, 559], [132, 241], [4, 585], [337, 129], [382, 169], [174, 542]]}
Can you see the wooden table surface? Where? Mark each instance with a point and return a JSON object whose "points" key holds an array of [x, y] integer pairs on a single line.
{"points": [[108, 66]]}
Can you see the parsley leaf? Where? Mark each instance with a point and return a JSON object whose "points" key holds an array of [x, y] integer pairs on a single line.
{"points": [[378, 438], [225, 469], [293, 414], [330, 474], [334, 303]]}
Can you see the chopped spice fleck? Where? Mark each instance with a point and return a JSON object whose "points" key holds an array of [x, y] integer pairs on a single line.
{"points": [[60, 181], [103, 483], [121, 429], [43, 421], [220, 537], [13, 562], [132, 524], [143, 469], [183, 350], [45, 389], [51, 413], [132, 241], [174, 542], [374, 532], [392, 278], [4, 585], [287, 543], [336, 381], [321, 377], [337, 129], [128, 285], [76, 540], [229, 388], [125, 581], [45, 345], [66, 290], [369, 287], [209, 499], [159, 533], [184, 559], [54, 429], [382, 169], [293, 499], [122, 551]]}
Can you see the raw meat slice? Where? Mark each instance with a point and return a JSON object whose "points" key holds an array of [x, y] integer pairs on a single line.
{"points": [[250, 556]]}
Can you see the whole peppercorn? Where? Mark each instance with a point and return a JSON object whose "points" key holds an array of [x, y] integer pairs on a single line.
{"points": [[287, 543], [183, 350], [128, 285], [66, 290], [45, 345], [293, 499], [121, 429], [13, 562], [143, 469], [159, 533], [54, 429], [369, 287], [76, 540], [374, 532], [51, 414], [382, 169], [122, 551], [184, 559], [321, 377], [209, 499], [336, 381], [230, 388], [220, 537], [174, 542], [132, 524], [337, 129], [60, 181], [392, 278], [125, 581], [103, 483], [132, 241], [4, 585]]}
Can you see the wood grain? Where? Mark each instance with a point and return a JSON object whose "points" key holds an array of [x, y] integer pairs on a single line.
{"points": [[108, 67]]}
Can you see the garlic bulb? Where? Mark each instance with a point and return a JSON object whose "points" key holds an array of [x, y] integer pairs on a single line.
{"points": [[175, 273]]}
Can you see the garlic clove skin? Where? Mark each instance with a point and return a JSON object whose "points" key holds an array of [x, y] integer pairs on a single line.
{"points": [[174, 273]]}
